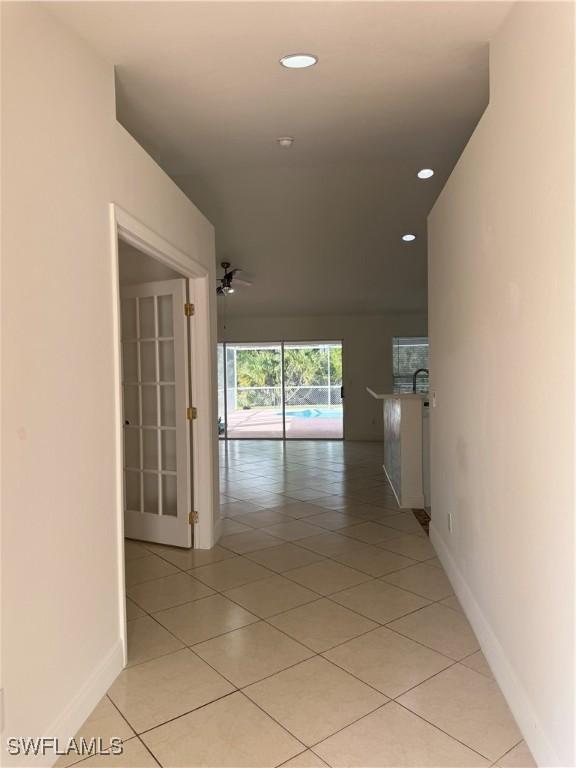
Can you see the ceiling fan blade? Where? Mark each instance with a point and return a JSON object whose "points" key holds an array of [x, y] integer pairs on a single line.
{"points": [[239, 281]]}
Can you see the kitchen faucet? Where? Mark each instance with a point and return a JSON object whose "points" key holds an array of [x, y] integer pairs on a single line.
{"points": [[415, 377]]}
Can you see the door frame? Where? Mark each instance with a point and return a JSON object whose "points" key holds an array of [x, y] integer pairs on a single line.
{"points": [[126, 227]]}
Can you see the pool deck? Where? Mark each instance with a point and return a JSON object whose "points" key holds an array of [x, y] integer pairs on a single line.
{"points": [[267, 423]]}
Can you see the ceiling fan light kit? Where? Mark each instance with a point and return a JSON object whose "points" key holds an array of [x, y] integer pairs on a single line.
{"points": [[224, 284]]}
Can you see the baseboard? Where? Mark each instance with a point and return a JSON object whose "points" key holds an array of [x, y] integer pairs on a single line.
{"points": [[413, 502], [71, 718], [217, 530], [512, 688]]}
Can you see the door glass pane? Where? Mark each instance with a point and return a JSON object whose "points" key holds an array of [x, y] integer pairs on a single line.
{"points": [[147, 322], [132, 490], [128, 318], [148, 360], [166, 356], [167, 406], [151, 492], [149, 406], [130, 361], [165, 326], [169, 449], [132, 447], [312, 387], [150, 448], [169, 495], [254, 390], [131, 405]]}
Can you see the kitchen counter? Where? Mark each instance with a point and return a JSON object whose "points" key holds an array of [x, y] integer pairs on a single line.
{"points": [[406, 441]]}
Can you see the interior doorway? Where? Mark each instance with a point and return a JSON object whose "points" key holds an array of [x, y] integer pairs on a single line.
{"points": [[156, 388]]}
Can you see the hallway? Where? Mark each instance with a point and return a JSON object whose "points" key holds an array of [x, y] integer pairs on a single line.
{"points": [[321, 630]]}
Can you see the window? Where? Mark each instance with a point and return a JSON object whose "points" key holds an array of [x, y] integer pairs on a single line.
{"points": [[409, 353]]}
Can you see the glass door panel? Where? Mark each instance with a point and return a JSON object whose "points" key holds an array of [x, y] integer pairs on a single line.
{"points": [[312, 390], [254, 390]]}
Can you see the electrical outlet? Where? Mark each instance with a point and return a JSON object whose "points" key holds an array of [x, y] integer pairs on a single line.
{"points": [[450, 522]]}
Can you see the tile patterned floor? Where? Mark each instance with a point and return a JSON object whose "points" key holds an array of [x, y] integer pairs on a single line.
{"points": [[321, 630]]}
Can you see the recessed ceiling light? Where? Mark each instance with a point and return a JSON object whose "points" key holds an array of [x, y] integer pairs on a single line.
{"points": [[425, 173], [298, 60], [285, 141], [408, 238]]}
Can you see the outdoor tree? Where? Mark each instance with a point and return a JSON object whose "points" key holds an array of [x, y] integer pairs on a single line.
{"points": [[308, 371]]}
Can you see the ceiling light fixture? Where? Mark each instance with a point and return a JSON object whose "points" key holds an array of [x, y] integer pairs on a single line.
{"points": [[408, 238], [285, 141], [425, 173], [298, 60]]}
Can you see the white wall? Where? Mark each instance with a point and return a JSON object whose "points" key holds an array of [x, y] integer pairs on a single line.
{"points": [[65, 159], [366, 354], [501, 319]]}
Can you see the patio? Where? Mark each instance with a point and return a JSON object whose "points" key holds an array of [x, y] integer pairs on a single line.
{"points": [[267, 423]]}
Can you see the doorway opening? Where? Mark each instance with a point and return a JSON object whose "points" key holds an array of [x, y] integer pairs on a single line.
{"points": [[164, 356], [280, 390]]}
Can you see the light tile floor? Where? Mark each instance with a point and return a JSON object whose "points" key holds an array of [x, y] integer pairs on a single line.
{"points": [[321, 630]]}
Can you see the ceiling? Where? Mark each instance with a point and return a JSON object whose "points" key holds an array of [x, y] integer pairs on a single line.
{"points": [[398, 86]]}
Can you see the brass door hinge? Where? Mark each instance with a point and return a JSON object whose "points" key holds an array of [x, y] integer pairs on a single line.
{"points": [[193, 517], [188, 309], [191, 413]]}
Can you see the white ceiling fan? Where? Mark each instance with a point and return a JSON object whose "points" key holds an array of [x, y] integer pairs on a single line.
{"points": [[224, 284]]}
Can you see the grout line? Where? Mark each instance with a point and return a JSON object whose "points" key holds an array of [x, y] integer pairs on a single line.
{"points": [[284, 728], [451, 736], [189, 712], [147, 748]]}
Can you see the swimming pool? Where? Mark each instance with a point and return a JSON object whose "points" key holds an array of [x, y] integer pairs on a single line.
{"points": [[314, 413]]}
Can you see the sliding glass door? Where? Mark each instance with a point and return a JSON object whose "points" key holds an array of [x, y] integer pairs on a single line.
{"points": [[280, 390]]}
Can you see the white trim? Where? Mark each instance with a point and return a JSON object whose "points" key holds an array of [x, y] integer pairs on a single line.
{"points": [[512, 688], [118, 437], [413, 502], [217, 529], [81, 706], [132, 231], [205, 443]]}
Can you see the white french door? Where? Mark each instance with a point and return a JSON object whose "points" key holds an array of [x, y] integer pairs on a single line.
{"points": [[157, 434]]}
